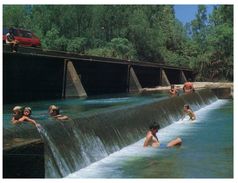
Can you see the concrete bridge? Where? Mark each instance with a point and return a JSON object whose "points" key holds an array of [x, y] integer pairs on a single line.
{"points": [[35, 74]]}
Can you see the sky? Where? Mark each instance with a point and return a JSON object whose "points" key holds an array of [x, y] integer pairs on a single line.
{"points": [[186, 13]]}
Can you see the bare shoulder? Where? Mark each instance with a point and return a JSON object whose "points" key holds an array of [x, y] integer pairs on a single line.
{"points": [[149, 134]]}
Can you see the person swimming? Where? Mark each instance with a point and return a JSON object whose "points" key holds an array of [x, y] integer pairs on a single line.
{"points": [[152, 140], [17, 114], [187, 110], [54, 111], [23, 115], [188, 87], [174, 91]]}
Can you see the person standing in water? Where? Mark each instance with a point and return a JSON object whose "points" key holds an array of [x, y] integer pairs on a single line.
{"points": [[152, 140], [188, 111]]}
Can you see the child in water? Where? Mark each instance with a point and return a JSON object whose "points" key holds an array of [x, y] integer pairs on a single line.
{"points": [[54, 111], [21, 114], [187, 110]]}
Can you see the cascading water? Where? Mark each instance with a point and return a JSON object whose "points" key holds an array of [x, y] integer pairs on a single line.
{"points": [[72, 145], [206, 152]]}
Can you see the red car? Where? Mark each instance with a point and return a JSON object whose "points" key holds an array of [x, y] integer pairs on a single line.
{"points": [[25, 37]]}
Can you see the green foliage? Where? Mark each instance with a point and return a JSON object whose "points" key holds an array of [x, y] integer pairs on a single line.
{"points": [[13, 15], [105, 52], [214, 59], [79, 44], [50, 38], [136, 32], [122, 48], [117, 48]]}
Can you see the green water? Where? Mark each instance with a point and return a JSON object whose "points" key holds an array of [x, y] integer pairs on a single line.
{"points": [[76, 107], [206, 152]]}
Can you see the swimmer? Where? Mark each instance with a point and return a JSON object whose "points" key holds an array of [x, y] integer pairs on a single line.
{"points": [[54, 111], [189, 112], [188, 87], [173, 91], [26, 117], [153, 141], [17, 114]]}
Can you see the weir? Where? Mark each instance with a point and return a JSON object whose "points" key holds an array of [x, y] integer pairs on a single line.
{"points": [[91, 138], [72, 145]]}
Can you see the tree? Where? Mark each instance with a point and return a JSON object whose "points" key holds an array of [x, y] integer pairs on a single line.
{"points": [[214, 40], [143, 32], [199, 27], [13, 15]]}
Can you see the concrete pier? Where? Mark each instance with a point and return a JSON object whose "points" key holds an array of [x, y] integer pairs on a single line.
{"points": [[49, 74]]}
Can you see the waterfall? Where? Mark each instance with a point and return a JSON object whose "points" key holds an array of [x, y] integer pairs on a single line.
{"points": [[72, 145]]}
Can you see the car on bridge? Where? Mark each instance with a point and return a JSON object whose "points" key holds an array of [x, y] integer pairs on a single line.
{"points": [[25, 37]]}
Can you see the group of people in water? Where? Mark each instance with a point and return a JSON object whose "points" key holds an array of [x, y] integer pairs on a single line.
{"points": [[151, 138], [187, 88], [23, 114]]}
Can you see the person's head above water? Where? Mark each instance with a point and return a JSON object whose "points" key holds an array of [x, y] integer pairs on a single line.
{"points": [[53, 110], [27, 111], [17, 109], [17, 112], [154, 126], [186, 106]]}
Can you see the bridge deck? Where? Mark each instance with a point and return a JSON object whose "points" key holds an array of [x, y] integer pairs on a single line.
{"points": [[73, 56]]}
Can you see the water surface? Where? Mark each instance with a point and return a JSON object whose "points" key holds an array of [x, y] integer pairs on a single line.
{"points": [[207, 151], [75, 107]]}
